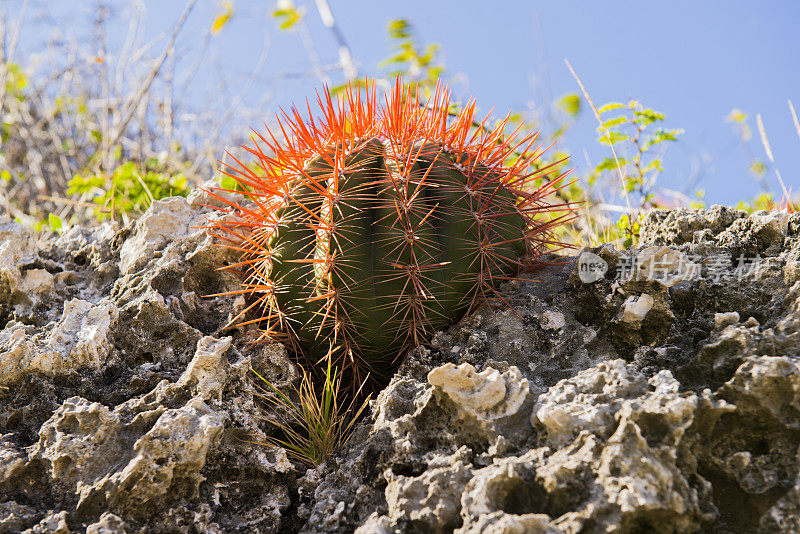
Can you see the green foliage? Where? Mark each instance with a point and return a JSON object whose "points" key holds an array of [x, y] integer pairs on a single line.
{"points": [[73, 159], [126, 189], [766, 201], [16, 81], [570, 104], [416, 63], [51, 222], [228, 183], [631, 126], [738, 119], [758, 168], [15, 84], [626, 230], [699, 203], [55, 222]]}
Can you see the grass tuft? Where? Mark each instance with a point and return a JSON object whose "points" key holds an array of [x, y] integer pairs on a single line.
{"points": [[319, 423]]}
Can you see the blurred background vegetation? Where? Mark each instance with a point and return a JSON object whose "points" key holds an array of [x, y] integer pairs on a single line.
{"points": [[98, 128]]}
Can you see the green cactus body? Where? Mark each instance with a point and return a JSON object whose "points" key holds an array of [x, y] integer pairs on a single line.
{"points": [[394, 227]]}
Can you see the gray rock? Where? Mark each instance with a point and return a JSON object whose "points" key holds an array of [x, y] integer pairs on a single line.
{"points": [[663, 401]]}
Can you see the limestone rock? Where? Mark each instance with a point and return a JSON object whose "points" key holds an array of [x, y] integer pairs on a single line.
{"points": [[16, 517], [664, 265], [17, 248], [78, 341], [429, 501], [486, 395], [108, 524], [635, 309], [588, 401], [54, 523], [164, 222], [668, 401]]}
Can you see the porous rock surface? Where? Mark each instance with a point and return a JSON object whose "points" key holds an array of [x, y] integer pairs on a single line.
{"points": [[661, 395]]}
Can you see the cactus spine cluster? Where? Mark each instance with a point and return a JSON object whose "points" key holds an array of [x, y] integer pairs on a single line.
{"points": [[366, 229]]}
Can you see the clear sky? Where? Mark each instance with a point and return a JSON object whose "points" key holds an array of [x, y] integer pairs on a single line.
{"points": [[692, 60]]}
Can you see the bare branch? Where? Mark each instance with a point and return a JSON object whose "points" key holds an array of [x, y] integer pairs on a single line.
{"points": [[345, 57], [153, 73], [9, 58]]}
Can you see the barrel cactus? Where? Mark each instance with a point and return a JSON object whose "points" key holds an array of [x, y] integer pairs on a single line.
{"points": [[367, 228]]}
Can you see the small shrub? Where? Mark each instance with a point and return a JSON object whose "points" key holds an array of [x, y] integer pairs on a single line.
{"points": [[127, 189]]}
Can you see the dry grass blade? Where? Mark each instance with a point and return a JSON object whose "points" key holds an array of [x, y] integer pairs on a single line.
{"points": [[319, 423], [608, 135], [794, 118], [762, 132]]}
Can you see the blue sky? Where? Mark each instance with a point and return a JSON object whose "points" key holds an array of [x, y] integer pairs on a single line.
{"points": [[693, 61]]}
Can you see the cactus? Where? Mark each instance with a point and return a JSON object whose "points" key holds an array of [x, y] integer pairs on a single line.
{"points": [[366, 229]]}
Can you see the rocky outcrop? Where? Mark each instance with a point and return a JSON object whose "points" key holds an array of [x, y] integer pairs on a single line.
{"points": [[655, 389]]}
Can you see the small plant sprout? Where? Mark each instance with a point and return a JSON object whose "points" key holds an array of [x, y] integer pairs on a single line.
{"points": [[319, 423], [634, 124]]}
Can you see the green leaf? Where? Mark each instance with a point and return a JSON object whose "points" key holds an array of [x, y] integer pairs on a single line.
{"points": [[759, 168], [612, 122], [569, 104], [417, 64], [54, 221], [610, 164], [287, 15], [399, 29], [5, 175], [222, 18], [15, 80], [647, 116], [612, 138], [662, 135], [514, 118], [608, 107], [653, 165]]}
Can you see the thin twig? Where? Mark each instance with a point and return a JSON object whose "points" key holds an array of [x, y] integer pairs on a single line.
{"points": [[9, 58], [132, 106], [72, 202], [104, 83], [249, 83], [167, 109], [201, 56], [311, 51], [608, 136], [345, 57]]}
